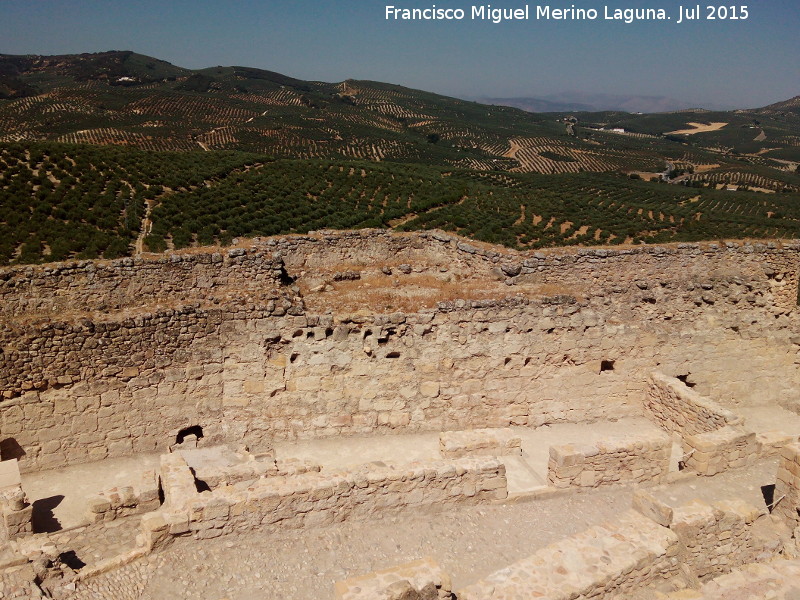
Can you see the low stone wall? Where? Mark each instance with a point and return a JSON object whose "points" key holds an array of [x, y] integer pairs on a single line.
{"points": [[787, 487], [675, 407], [479, 442], [607, 561], [771, 443], [124, 501], [419, 580], [218, 466], [252, 470], [314, 499], [628, 459], [717, 451], [718, 538], [776, 580]]}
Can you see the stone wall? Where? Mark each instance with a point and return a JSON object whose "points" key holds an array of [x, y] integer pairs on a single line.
{"points": [[51, 291], [675, 407], [717, 451], [717, 538], [628, 459], [787, 488], [607, 561], [314, 499], [245, 360]]}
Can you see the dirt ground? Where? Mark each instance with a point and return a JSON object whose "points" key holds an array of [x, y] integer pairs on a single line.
{"points": [[699, 128]]}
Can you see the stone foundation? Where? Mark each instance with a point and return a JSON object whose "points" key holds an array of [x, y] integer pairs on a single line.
{"points": [[125, 501], [315, 499], [629, 459], [677, 408], [717, 538], [607, 561], [717, 451], [479, 442]]}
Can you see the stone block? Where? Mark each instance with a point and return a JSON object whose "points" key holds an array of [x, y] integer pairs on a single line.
{"points": [[9, 474], [479, 442], [652, 508]]}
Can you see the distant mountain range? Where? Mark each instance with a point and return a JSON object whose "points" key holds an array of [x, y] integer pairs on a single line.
{"points": [[590, 102]]}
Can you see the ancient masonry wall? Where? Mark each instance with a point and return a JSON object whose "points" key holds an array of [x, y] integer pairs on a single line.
{"points": [[787, 488], [314, 499], [112, 358], [675, 407], [716, 539], [629, 459], [607, 561], [717, 451]]}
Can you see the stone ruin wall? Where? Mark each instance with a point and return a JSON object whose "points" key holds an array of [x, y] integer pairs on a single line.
{"points": [[223, 341]]}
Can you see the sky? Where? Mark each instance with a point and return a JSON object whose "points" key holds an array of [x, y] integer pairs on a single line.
{"points": [[719, 63]]}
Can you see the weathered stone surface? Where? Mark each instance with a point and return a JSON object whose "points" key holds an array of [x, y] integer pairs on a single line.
{"points": [[634, 458], [479, 442], [607, 561], [419, 580], [242, 348], [652, 508], [717, 451], [678, 408]]}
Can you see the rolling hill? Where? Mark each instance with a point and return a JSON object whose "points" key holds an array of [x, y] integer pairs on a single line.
{"points": [[129, 99], [110, 154]]}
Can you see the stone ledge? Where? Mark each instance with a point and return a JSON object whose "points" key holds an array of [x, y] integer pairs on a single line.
{"points": [[480, 442], [716, 451], [613, 558], [619, 460], [424, 574]]}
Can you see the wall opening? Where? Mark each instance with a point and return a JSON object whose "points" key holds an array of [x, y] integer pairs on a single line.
{"points": [[393, 355], [194, 430], [607, 365], [284, 277], [768, 492]]}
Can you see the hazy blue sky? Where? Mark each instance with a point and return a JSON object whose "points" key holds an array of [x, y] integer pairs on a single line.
{"points": [[734, 63]]}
